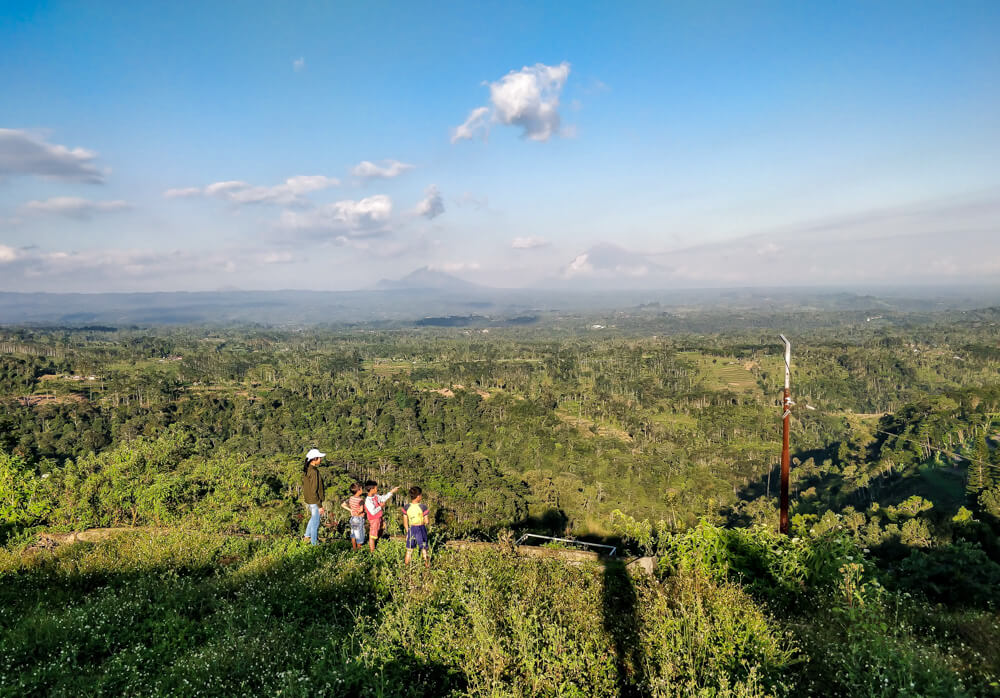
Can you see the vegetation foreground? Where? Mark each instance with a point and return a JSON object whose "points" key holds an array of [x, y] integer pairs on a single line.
{"points": [[729, 613], [887, 586]]}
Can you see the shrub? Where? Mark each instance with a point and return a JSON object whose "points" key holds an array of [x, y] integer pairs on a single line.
{"points": [[956, 575], [862, 645], [699, 635], [20, 500], [771, 566]]}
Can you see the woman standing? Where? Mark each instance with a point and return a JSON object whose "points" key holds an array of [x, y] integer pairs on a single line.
{"points": [[312, 491]]}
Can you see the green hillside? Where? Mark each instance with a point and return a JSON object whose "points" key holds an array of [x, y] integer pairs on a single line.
{"points": [[663, 443], [185, 614]]}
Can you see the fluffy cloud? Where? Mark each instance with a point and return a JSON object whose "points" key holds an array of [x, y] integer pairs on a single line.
{"points": [[74, 207], [290, 193], [478, 120], [528, 243], [116, 269], [9, 254], [527, 98], [299, 64], [186, 192], [387, 170], [610, 261], [111, 263], [580, 265], [368, 216], [923, 243], [432, 205], [22, 153]]}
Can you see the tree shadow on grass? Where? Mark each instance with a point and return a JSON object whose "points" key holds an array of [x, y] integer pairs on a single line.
{"points": [[622, 621], [296, 620], [551, 522]]}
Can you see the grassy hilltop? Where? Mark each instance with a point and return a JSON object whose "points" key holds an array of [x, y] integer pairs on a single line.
{"points": [[658, 432], [189, 614]]}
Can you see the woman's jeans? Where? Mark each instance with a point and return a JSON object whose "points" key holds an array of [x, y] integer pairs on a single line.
{"points": [[312, 530]]}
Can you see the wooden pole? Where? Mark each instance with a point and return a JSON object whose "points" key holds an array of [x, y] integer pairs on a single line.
{"points": [[786, 415]]}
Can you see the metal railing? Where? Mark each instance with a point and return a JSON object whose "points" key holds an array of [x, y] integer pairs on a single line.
{"points": [[612, 548]]}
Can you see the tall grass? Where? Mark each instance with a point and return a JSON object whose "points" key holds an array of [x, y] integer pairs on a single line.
{"points": [[156, 614]]}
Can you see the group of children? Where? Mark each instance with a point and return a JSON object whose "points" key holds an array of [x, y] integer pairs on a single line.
{"points": [[372, 507], [361, 507]]}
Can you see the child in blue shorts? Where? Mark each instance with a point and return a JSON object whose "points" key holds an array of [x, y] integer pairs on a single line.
{"points": [[415, 516], [355, 507]]}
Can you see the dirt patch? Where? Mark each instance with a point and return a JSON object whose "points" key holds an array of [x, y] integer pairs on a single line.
{"points": [[584, 425], [450, 392], [49, 540], [43, 544], [46, 399]]}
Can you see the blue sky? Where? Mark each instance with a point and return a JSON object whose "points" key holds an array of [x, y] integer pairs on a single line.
{"points": [[709, 141]]}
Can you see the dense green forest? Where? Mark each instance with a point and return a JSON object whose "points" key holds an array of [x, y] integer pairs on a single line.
{"points": [[659, 432]]}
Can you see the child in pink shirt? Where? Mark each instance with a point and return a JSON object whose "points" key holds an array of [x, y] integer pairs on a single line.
{"points": [[374, 511]]}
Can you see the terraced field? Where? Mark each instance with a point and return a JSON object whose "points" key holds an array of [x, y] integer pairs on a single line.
{"points": [[721, 373]]}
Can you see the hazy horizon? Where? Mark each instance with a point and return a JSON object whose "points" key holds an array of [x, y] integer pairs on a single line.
{"points": [[186, 147]]}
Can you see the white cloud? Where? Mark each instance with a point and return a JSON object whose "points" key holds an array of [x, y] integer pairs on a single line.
{"points": [[354, 218], [124, 262], [186, 192], [477, 121], [74, 207], [527, 98], [303, 184], [579, 266], [387, 170], [120, 269], [299, 64], [9, 254], [528, 243], [22, 153], [224, 189], [610, 261], [432, 205], [290, 193]]}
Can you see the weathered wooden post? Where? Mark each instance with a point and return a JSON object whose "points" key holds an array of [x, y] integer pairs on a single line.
{"points": [[786, 415]]}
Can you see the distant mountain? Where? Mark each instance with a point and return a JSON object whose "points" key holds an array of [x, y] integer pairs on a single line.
{"points": [[463, 303], [426, 278]]}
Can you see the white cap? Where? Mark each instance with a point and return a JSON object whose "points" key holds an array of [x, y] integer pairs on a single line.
{"points": [[314, 453]]}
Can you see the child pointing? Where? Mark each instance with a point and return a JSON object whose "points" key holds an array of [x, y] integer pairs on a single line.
{"points": [[373, 510]]}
